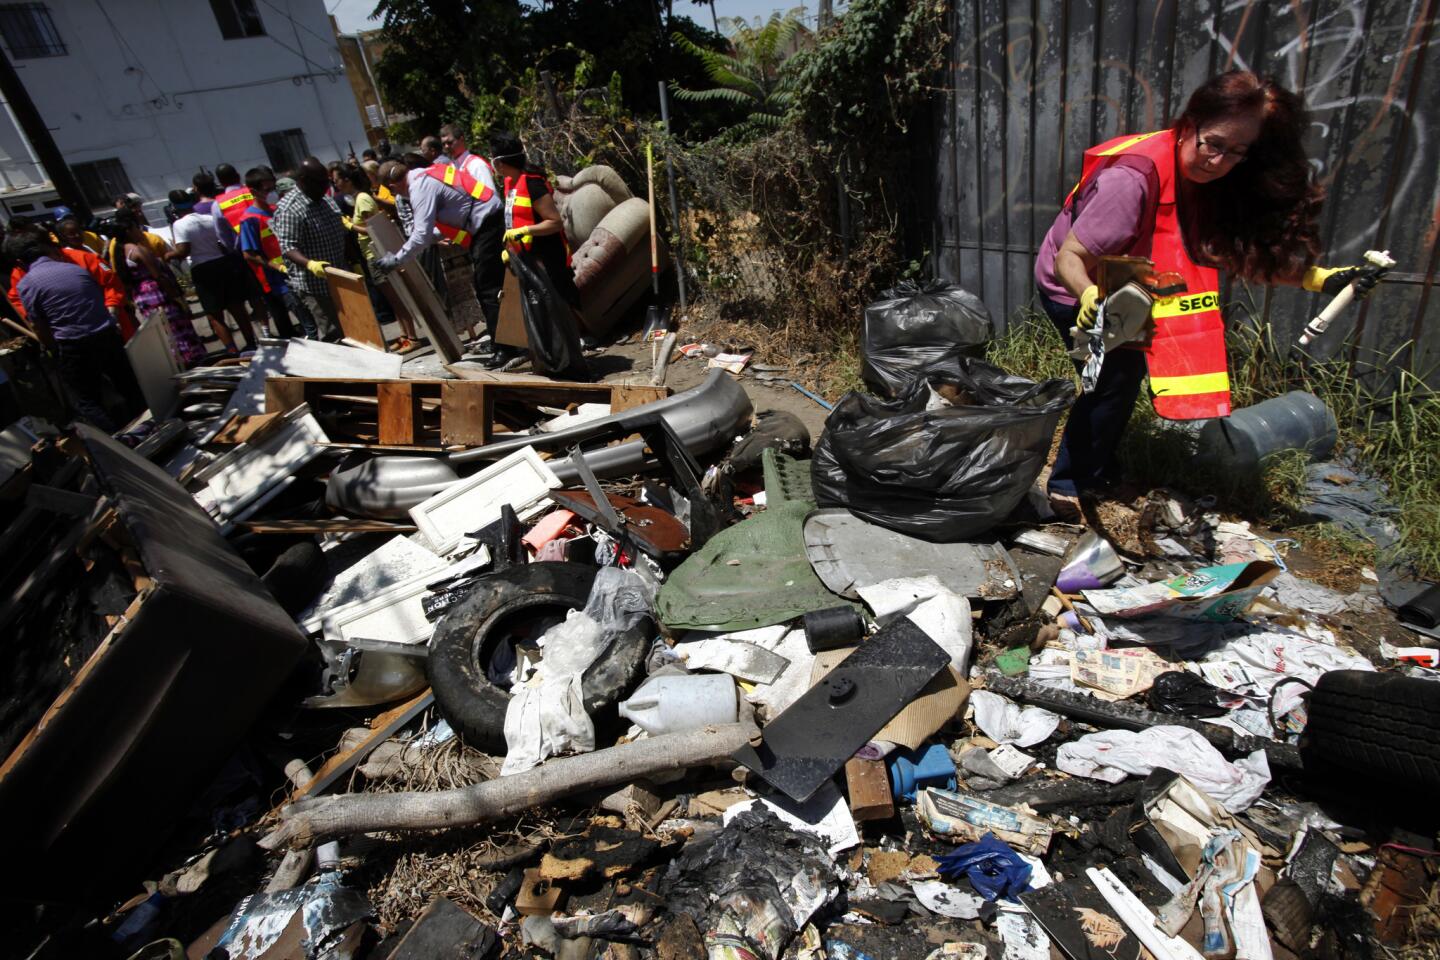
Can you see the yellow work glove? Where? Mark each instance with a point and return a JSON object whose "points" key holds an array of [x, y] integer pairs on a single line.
{"points": [[517, 234], [317, 268], [1331, 280], [1089, 307], [347, 222], [504, 256]]}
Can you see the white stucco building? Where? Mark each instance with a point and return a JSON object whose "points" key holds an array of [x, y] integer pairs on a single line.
{"points": [[140, 94]]}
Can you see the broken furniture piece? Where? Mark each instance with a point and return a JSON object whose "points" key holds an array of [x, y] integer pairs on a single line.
{"points": [[667, 535], [415, 291], [805, 745], [352, 305]]}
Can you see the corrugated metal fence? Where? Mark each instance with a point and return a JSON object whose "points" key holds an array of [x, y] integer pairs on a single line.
{"points": [[1031, 84]]}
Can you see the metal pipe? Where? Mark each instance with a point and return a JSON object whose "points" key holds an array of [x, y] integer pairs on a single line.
{"points": [[674, 202]]}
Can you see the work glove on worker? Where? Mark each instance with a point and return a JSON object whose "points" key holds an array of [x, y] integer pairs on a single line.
{"points": [[317, 268], [517, 235], [1089, 307], [386, 263], [1331, 280], [504, 255]]}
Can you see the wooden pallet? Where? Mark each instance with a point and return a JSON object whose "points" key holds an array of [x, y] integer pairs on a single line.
{"points": [[433, 413]]}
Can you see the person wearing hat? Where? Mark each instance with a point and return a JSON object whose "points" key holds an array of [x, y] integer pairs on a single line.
{"points": [[531, 218], [220, 277], [69, 233]]}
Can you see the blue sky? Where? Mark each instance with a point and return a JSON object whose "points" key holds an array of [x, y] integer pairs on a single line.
{"points": [[352, 14]]}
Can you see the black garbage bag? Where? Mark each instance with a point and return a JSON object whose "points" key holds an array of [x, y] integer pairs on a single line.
{"points": [[1185, 695], [549, 322], [945, 474], [913, 325]]}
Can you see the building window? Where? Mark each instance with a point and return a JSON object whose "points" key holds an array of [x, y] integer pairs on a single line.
{"points": [[29, 31], [101, 181], [238, 19], [285, 149]]}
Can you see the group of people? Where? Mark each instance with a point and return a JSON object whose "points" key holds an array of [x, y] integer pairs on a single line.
{"points": [[257, 247]]}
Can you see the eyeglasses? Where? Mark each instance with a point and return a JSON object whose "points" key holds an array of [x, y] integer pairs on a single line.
{"points": [[1209, 149]]}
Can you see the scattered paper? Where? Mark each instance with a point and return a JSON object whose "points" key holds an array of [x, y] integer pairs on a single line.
{"points": [[746, 661], [968, 818], [1117, 674], [1010, 760], [937, 896], [1006, 722], [824, 815]]}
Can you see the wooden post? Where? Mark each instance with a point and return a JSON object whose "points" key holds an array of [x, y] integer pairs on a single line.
{"points": [[399, 413]]}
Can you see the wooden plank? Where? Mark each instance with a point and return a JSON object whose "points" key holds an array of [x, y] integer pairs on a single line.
{"points": [[510, 329], [242, 428], [352, 303], [332, 525], [382, 728], [283, 394], [416, 291], [399, 416], [627, 396], [465, 413]]}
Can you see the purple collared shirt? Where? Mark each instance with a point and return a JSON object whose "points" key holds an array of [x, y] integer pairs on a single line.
{"points": [[1107, 219], [65, 297]]}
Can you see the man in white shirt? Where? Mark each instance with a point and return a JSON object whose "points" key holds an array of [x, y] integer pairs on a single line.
{"points": [[489, 269], [222, 281]]}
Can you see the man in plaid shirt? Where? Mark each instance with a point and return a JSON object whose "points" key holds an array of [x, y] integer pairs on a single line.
{"points": [[312, 236]]}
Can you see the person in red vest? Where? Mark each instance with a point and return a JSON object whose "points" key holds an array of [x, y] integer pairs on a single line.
{"points": [[1227, 187], [257, 244], [114, 291]]}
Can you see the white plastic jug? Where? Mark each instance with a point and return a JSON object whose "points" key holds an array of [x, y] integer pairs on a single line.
{"points": [[671, 704]]}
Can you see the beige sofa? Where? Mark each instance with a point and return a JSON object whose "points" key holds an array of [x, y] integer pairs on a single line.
{"points": [[609, 232]]}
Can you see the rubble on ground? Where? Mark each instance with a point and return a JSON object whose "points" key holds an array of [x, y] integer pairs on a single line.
{"points": [[394, 666]]}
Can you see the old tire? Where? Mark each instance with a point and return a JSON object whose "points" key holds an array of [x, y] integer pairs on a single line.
{"points": [[1374, 729], [534, 595]]}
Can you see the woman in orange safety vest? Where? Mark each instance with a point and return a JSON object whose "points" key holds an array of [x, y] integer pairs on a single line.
{"points": [[1227, 187]]}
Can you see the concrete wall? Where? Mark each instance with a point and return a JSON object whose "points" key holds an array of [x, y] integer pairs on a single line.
{"points": [[154, 84]]}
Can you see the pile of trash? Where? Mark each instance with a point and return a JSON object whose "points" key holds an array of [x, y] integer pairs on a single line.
{"points": [[575, 675]]}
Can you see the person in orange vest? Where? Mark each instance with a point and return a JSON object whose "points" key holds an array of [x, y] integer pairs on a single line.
{"points": [[109, 282], [257, 244], [447, 204], [1227, 187]]}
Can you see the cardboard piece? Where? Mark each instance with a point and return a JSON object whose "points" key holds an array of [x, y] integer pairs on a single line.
{"points": [[941, 700], [151, 353], [510, 329], [1218, 594], [352, 304]]}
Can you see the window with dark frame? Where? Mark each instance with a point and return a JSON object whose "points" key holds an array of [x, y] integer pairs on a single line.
{"points": [[285, 149], [238, 19], [101, 181], [29, 31]]}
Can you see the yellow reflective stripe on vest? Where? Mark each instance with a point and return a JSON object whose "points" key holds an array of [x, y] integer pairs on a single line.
{"points": [[1185, 305], [227, 204], [520, 201], [449, 176], [461, 237], [1193, 384], [1127, 144]]}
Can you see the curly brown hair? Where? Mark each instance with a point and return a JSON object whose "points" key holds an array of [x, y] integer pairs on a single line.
{"points": [[1259, 220]]}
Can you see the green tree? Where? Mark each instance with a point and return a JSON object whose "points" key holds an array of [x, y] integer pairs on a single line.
{"points": [[440, 53], [752, 78]]}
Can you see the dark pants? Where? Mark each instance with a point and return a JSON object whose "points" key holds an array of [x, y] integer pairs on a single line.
{"points": [[279, 312], [384, 313], [86, 364], [488, 269], [297, 306], [1087, 456]]}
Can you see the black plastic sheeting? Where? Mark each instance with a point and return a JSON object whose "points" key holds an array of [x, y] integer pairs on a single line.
{"points": [[912, 326], [946, 474], [159, 710], [550, 324]]}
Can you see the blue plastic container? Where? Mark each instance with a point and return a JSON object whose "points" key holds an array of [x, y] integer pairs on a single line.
{"points": [[911, 770]]}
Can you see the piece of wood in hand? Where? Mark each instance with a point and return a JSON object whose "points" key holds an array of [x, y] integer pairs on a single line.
{"points": [[510, 329], [352, 304]]}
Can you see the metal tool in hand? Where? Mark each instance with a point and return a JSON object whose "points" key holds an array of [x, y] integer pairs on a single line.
{"points": [[1379, 260]]}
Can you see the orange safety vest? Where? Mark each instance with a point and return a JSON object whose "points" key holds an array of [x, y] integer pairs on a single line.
{"points": [[233, 203], [520, 208], [462, 181], [269, 245], [1189, 378]]}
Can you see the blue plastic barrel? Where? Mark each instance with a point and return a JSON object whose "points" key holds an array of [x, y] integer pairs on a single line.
{"points": [[1295, 421]]}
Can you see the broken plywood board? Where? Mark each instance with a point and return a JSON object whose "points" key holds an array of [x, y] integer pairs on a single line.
{"points": [[520, 480], [246, 473], [352, 305], [416, 292]]}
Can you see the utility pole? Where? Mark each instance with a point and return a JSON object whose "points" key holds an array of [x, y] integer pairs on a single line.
{"points": [[32, 126], [827, 13]]}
